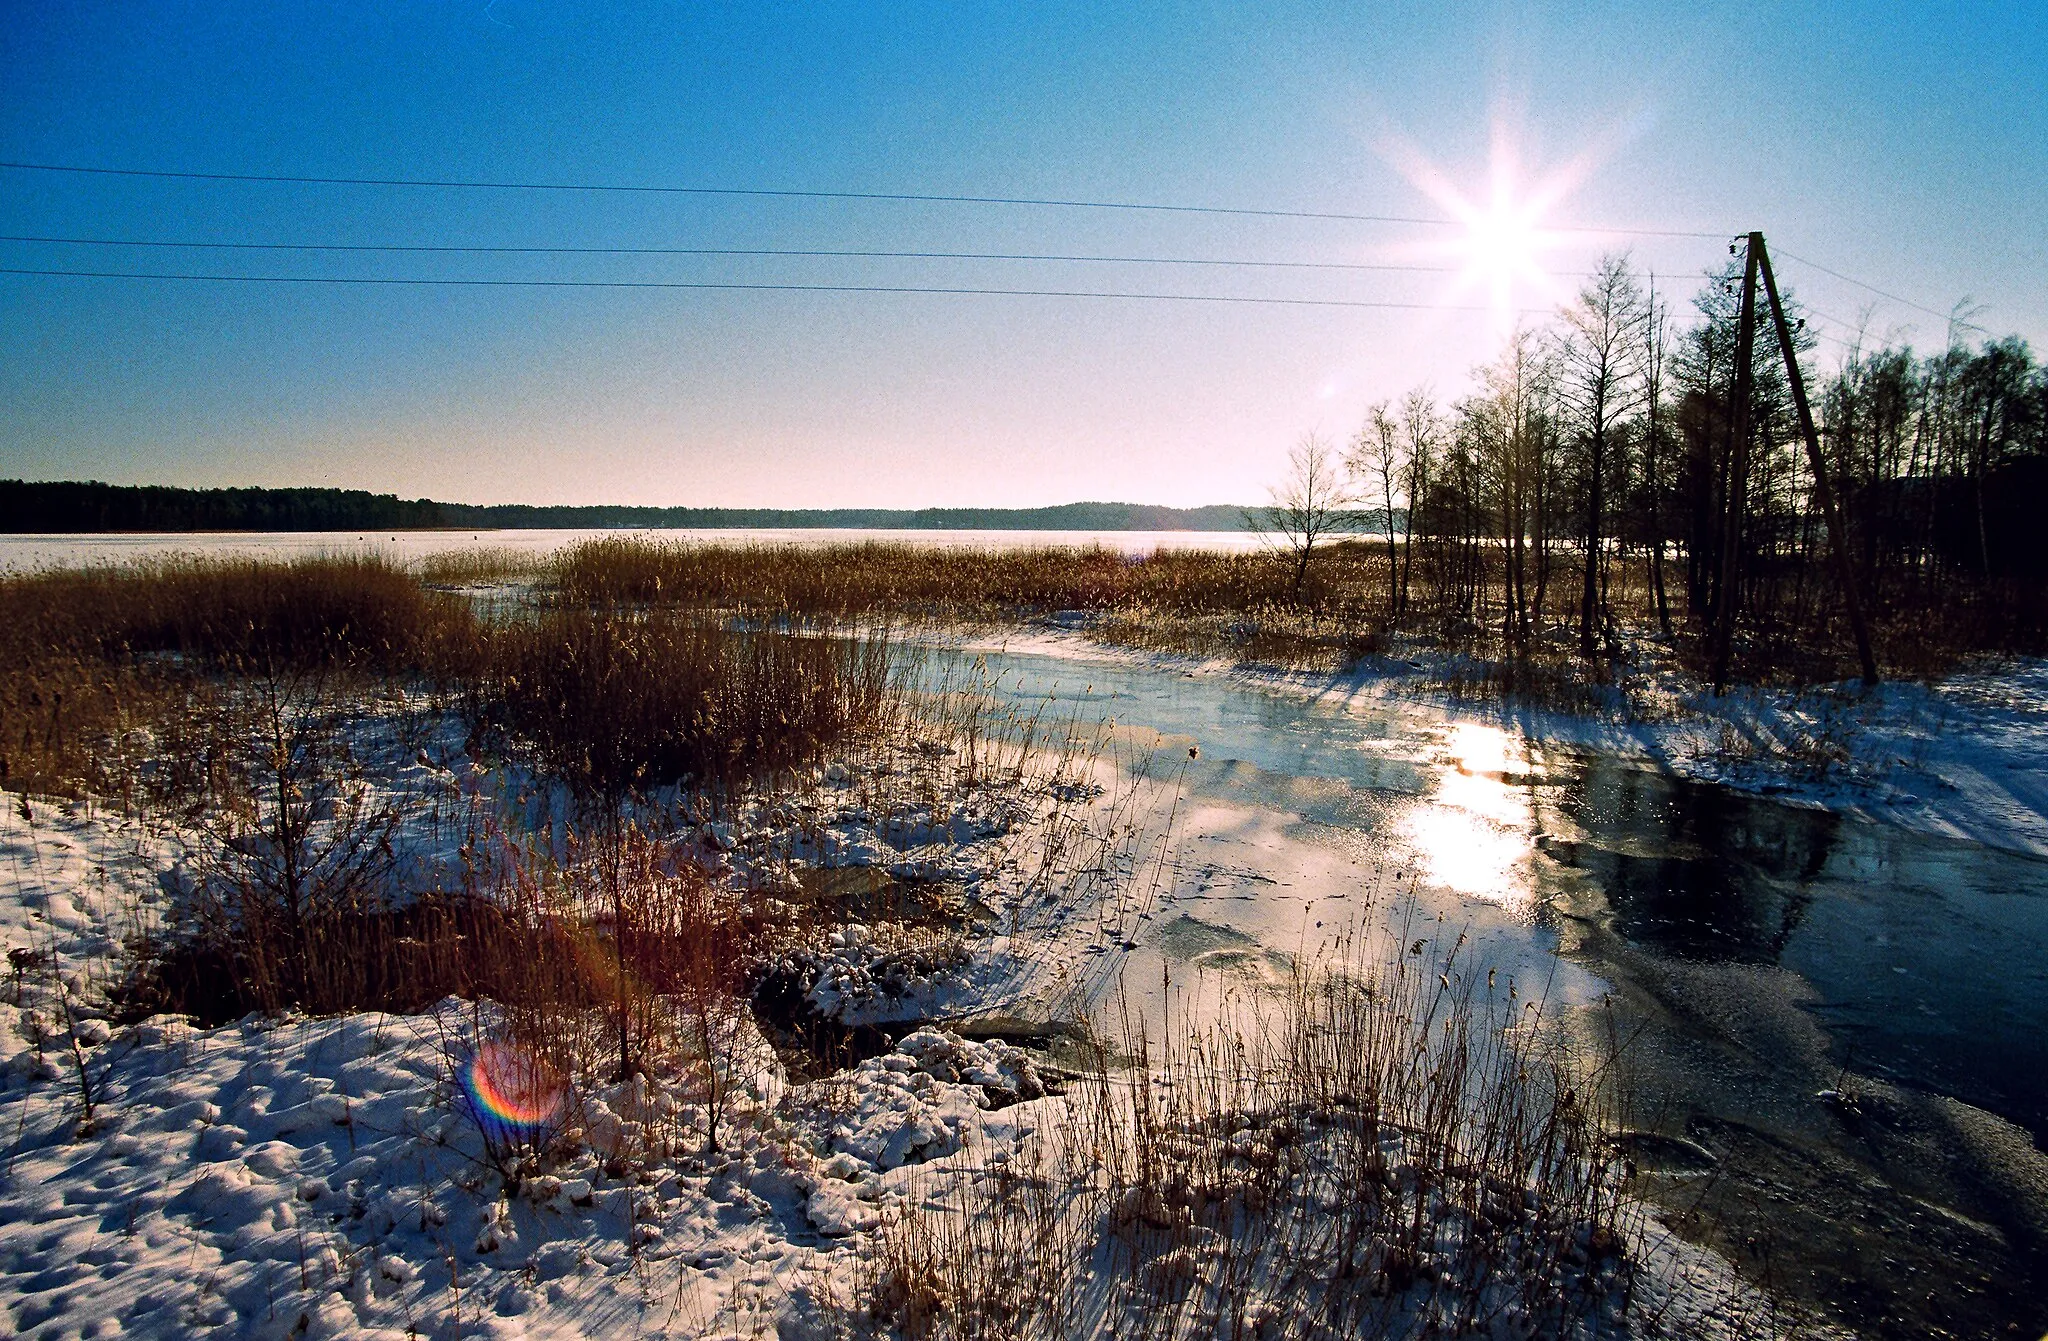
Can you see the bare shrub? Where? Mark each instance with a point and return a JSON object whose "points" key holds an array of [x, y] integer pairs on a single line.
{"points": [[611, 702], [297, 843]]}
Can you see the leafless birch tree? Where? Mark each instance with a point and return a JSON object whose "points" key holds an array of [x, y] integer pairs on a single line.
{"points": [[1310, 505], [1376, 457]]}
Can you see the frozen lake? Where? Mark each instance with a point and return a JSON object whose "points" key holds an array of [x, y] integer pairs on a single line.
{"points": [[24, 553]]}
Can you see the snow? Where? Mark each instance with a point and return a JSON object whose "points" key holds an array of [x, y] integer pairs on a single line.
{"points": [[323, 1177], [298, 1176], [317, 1177]]}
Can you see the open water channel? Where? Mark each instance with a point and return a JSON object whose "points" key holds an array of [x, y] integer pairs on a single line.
{"points": [[1833, 1027]]}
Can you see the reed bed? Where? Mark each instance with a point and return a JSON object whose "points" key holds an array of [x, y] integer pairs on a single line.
{"points": [[881, 579], [1383, 1150], [89, 656], [478, 565], [613, 701], [359, 609]]}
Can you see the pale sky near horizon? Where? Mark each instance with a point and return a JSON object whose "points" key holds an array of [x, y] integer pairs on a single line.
{"points": [[1904, 146]]}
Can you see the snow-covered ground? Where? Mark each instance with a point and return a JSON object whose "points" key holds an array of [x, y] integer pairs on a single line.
{"points": [[293, 1176], [329, 1177], [324, 1178]]}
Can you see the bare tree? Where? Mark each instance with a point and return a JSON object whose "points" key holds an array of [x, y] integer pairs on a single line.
{"points": [[1597, 347], [1377, 456], [1310, 505], [1507, 427], [1421, 428], [1655, 347]]}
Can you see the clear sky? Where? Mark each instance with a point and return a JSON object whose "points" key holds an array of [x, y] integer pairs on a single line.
{"points": [[1906, 146]]}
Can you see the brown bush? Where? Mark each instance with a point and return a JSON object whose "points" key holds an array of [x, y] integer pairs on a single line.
{"points": [[614, 702]]}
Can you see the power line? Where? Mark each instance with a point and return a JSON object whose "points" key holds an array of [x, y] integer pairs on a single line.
{"points": [[785, 194], [785, 252], [426, 248], [904, 197], [1893, 297], [772, 288], [1818, 333]]}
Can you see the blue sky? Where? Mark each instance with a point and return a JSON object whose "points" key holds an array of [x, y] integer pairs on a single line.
{"points": [[1905, 146]]}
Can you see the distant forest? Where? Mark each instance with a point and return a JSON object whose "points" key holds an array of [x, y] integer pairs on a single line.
{"points": [[32, 506]]}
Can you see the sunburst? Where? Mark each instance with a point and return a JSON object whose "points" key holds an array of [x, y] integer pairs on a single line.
{"points": [[1504, 248]]}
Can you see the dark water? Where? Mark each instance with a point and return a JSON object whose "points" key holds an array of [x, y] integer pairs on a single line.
{"points": [[1927, 957]]}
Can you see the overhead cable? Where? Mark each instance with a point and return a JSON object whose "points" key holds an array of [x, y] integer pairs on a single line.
{"points": [[744, 287], [911, 197]]}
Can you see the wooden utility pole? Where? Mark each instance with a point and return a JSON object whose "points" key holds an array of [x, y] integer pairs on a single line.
{"points": [[1838, 539], [1735, 501]]}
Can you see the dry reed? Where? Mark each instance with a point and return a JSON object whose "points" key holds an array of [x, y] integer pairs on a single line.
{"points": [[1381, 1155]]}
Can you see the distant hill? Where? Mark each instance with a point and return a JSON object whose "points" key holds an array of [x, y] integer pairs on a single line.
{"points": [[1064, 517], [69, 506]]}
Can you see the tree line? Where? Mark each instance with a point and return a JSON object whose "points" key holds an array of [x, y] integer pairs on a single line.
{"points": [[86, 506], [1616, 471]]}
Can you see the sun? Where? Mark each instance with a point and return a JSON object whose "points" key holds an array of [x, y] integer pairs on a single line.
{"points": [[1501, 249], [1501, 241]]}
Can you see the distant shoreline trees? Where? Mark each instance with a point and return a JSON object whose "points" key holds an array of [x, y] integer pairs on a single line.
{"points": [[38, 507]]}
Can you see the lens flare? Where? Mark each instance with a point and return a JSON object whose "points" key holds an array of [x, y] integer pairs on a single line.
{"points": [[512, 1092]]}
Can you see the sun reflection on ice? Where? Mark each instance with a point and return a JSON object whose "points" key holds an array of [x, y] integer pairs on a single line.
{"points": [[1474, 833]]}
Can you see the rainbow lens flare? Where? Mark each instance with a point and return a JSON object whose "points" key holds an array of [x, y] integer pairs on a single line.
{"points": [[512, 1092]]}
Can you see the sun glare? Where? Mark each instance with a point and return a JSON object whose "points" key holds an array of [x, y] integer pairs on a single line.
{"points": [[1502, 242], [1500, 253], [1474, 832]]}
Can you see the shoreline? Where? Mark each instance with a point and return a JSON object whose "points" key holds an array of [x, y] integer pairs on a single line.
{"points": [[1961, 759]]}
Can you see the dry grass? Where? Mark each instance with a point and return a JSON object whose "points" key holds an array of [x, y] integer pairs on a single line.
{"points": [[359, 610], [880, 579], [618, 701], [89, 656], [1200, 603], [478, 565], [241, 692], [1244, 606], [1385, 1155]]}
